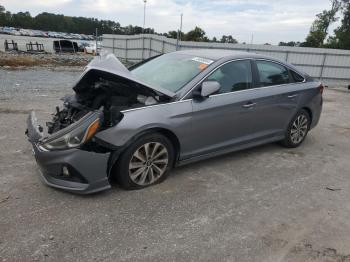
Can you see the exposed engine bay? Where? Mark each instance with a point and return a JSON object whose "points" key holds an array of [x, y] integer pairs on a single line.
{"points": [[101, 90]]}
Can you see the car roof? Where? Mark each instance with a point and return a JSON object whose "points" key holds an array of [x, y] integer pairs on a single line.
{"points": [[226, 55], [217, 54]]}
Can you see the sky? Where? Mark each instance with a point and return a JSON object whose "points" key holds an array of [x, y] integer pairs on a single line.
{"points": [[268, 21]]}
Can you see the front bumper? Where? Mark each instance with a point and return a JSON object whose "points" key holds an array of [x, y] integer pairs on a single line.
{"points": [[88, 171]]}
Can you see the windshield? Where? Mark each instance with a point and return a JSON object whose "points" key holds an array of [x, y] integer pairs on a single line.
{"points": [[171, 71]]}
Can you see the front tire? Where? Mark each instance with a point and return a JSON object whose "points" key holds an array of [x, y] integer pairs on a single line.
{"points": [[297, 130], [146, 162]]}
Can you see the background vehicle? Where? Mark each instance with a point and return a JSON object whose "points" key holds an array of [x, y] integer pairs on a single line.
{"points": [[40, 33], [136, 124], [14, 31], [7, 30], [65, 46], [91, 48]]}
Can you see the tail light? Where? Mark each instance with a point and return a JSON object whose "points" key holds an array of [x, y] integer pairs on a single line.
{"points": [[321, 88]]}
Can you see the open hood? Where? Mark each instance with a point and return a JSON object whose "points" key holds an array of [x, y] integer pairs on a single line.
{"points": [[105, 87], [109, 63]]}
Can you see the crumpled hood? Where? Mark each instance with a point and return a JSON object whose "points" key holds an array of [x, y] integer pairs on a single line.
{"points": [[109, 63]]}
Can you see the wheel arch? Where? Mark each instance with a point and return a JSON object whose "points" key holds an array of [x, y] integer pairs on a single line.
{"points": [[308, 110], [164, 131], [168, 134]]}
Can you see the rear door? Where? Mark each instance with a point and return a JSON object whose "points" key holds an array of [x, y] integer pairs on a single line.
{"points": [[276, 99]]}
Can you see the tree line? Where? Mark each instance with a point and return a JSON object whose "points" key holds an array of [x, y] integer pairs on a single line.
{"points": [[82, 25], [319, 32], [69, 24], [198, 35], [317, 37]]}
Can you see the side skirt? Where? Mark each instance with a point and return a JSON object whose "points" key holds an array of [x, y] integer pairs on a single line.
{"points": [[229, 150]]}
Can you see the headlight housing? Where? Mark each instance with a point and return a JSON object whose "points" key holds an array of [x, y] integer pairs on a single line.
{"points": [[75, 135]]}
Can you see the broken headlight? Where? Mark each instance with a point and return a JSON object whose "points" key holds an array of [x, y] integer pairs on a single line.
{"points": [[74, 135]]}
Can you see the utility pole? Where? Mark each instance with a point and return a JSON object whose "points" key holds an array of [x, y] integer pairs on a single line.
{"points": [[144, 16], [96, 41], [179, 34], [143, 28], [180, 27], [252, 39]]}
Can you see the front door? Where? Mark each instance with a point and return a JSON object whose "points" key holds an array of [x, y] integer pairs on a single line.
{"points": [[224, 119]]}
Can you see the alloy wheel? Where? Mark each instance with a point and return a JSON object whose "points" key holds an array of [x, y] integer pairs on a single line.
{"points": [[148, 163], [299, 129]]}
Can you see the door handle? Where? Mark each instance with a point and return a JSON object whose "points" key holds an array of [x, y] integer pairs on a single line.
{"points": [[292, 96], [249, 105]]}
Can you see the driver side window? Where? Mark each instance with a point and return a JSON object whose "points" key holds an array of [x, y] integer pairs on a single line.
{"points": [[233, 76]]}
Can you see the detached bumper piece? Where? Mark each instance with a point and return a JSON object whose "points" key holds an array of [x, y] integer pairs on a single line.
{"points": [[73, 170], [34, 130]]}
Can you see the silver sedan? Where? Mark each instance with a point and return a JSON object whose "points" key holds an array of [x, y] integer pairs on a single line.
{"points": [[135, 124]]}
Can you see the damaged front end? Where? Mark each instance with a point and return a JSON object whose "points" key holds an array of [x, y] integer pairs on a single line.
{"points": [[63, 163], [108, 85], [67, 153]]}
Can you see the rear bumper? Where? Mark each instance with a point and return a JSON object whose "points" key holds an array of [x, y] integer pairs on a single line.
{"points": [[87, 171]]}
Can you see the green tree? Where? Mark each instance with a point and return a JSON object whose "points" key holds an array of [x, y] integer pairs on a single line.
{"points": [[228, 39], [196, 35], [23, 20], [182, 35], [61, 23], [206, 39], [291, 43], [172, 34], [3, 16], [319, 28], [341, 38]]}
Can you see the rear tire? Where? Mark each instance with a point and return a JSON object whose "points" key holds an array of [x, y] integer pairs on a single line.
{"points": [[146, 162], [297, 130]]}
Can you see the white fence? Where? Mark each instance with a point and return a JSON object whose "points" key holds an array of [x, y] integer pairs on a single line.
{"points": [[330, 65]]}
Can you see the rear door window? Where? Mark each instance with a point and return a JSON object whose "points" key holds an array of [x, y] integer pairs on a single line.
{"points": [[271, 73]]}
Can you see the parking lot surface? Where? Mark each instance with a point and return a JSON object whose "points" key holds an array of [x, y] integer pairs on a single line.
{"points": [[263, 204]]}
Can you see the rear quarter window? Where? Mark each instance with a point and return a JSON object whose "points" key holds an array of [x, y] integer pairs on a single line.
{"points": [[296, 77]]}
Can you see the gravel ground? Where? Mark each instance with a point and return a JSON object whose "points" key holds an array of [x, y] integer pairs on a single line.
{"points": [[262, 204]]}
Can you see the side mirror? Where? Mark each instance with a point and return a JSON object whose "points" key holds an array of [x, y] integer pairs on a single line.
{"points": [[208, 88]]}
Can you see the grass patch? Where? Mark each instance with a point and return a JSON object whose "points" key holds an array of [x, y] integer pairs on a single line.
{"points": [[41, 60], [16, 61]]}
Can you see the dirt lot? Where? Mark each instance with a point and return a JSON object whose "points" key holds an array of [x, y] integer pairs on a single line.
{"points": [[262, 204]]}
